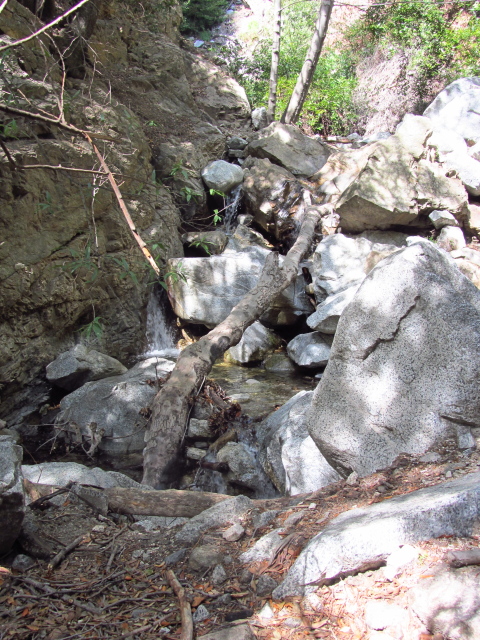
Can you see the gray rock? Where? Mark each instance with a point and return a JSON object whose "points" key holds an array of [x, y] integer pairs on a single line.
{"points": [[265, 585], [176, 557], [264, 549], [449, 603], [457, 108], [400, 560], [310, 350], [244, 470], [31, 540], [237, 632], [233, 533], [442, 219], [236, 142], [288, 454], [257, 341], [264, 518], [431, 456], [468, 261], [220, 515], [154, 523], [59, 474], [216, 284], [199, 429], [286, 145], [279, 363], [219, 575], [327, 314], [403, 371], [259, 118], [204, 557], [396, 186], [222, 176], [270, 192], [106, 413], [201, 613], [23, 563], [451, 239], [193, 453], [12, 498], [70, 370], [363, 538]]}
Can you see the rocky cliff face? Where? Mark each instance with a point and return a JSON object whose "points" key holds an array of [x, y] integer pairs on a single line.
{"points": [[66, 253]]}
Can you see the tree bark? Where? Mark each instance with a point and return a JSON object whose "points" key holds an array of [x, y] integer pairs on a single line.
{"points": [[272, 96], [172, 404], [295, 105]]}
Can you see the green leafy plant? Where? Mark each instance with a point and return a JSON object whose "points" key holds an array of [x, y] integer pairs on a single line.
{"points": [[174, 275], [10, 129], [47, 205], [202, 243], [126, 271], [82, 261], [188, 193], [179, 167], [94, 328]]}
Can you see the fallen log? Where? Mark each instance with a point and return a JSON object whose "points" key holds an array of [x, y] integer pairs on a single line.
{"points": [[171, 405]]}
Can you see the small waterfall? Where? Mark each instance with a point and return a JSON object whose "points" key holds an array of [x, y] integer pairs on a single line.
{"points": [[160, 336], [232, 208]]}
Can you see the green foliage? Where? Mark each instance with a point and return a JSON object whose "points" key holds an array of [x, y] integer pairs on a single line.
{"points": [[93, 328], [10, 129], [82, 262], [202, 15], [446, 42], [202, 243], [188, 193]]}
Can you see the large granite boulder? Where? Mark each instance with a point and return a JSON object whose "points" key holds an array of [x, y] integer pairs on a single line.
{"points": [[363, 538], [79, 365], [270, 193], [111, 414], [397, 186], [403, 374], [257, 341], [12, 497], [215, 285], [340, 262], [286, 145], [288, 454]]}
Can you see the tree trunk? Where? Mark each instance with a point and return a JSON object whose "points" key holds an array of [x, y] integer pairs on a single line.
{"points": [[272, 96], [294, 108], [171, 405]]}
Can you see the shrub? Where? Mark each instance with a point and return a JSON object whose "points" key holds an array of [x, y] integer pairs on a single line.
{"points": [[202, 15]]}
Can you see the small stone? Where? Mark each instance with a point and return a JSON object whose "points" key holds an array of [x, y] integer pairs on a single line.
{"points": [[294, 518], [237, 143], [442, 219], [137, 553], [451, 239], [399, 560], [431, 456], [194, 454], [245, 577], [265, 585], [312, 505], [198, 429], [201, 614], [99, 528], [266, 612], [352, 479], [175, 557], [219, 575], [264, 518], [448, 474], [233, 533], [224, 599], [292, 623], [23, 563], [204, 557]]}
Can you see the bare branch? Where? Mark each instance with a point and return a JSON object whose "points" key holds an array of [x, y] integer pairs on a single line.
{"points": [[44, 28], [59, 167], [3, 5]]}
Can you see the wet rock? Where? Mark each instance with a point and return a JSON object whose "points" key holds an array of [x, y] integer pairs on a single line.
{"points": [[421, 403], [222, 514], [286, 145], [270, 193], [288, 454], [310, 350], [12, 498], [257, 341], [204, 557], [279, 363], [363, 538], [70, 370], [449, 603], [222, 176], [106, 414]]}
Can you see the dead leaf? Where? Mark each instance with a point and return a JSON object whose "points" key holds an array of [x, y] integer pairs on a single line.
{"points": [[197, 600], [25, 612]]}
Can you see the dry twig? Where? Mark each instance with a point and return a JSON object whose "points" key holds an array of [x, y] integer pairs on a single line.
{"points": [[185, 609]]}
